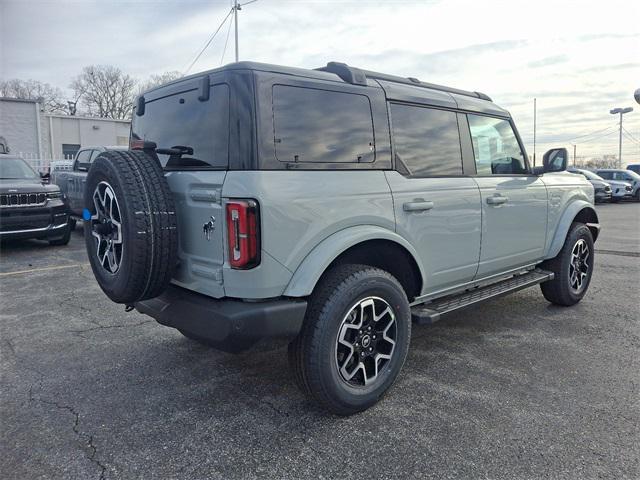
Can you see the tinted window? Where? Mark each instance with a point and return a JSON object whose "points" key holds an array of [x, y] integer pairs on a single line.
{"points": [[495, 146], [183, 120], [84, 156], [321, 126], [606, 175], [95, 154], [427, 141]]}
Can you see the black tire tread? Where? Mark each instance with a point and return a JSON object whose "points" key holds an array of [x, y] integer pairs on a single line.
{"points": [[305, 367], [155, 242]]}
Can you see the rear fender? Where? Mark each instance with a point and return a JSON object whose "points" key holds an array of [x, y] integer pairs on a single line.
{"points": [[316, 262]]}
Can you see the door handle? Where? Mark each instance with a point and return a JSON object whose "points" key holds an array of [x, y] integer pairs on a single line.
{"points": [[417, 206], [497, 200]]}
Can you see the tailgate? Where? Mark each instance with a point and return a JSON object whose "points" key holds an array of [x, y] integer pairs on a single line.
{"points": [[198, 199]]}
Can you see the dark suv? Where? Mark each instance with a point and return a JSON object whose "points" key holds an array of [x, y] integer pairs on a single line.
{"points": [[28, 207]]}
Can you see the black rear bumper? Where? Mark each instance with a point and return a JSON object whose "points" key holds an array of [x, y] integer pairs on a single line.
{"points": [[227, 324]]}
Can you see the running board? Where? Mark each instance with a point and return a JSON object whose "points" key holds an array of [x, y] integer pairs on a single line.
{"points": [[431, 312]]}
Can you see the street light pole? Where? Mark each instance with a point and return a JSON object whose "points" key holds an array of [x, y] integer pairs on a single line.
{"points": [[620, 111]]}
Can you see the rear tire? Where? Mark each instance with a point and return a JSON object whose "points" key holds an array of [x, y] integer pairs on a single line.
{"points": [[573, 268], [131, 237], [354, 340]]}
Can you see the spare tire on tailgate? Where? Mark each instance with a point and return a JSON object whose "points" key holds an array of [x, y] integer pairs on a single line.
{"points": [[130, 226]]}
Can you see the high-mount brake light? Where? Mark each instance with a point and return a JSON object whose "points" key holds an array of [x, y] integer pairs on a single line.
{"points": [[243, 233]]}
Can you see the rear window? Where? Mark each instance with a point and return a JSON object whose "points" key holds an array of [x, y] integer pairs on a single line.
{"points": [[183, 120], [322, 126]]}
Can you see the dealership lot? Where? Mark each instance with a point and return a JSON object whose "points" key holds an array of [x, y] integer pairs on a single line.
{"points": [[514, 388]]}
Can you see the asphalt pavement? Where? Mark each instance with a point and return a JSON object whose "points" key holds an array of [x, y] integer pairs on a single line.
{"points": [[514, 388]]}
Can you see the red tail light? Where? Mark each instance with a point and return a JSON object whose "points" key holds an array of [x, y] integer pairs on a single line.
{"points": [[243, 233]]}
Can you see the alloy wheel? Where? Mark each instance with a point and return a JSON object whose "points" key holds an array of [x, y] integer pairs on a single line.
{"points": [[579, 265], [106, 227], [366, 341]]}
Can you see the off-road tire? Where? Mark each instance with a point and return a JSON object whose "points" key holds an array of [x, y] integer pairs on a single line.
{"points": [[62, 240], [558, 291], [149, 228], [312, 352]]}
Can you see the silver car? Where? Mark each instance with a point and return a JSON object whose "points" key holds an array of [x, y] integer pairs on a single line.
{"points": [[601, 188], [624, 183]]}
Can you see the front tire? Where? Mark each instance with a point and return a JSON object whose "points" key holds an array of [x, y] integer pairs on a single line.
{"points": [[354, 340], [573, 268], [64, 239]]}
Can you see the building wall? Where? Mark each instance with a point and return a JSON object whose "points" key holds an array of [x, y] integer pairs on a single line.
{"points": [[22, 120], [83, 131], [18, 125]]}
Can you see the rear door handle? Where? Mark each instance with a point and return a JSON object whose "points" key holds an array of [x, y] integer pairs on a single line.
{"points": [[497, 200], [417, 206]]}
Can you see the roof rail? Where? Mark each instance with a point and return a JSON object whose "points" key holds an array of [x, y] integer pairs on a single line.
{"points": [[357, 76]]}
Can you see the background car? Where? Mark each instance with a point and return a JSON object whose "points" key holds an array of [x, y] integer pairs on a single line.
{"points": [[634, 167], [28, 207], [601, 188], [619, 175]]}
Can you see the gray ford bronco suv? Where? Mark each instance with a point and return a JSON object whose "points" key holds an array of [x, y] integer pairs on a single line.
{"points": [[334, 207]]}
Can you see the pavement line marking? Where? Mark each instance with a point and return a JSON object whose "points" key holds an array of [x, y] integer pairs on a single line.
{"points": [[617, 252], [43, 269]]}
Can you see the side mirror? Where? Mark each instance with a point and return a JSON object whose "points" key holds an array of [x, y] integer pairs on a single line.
{"points": [[555, 160]]}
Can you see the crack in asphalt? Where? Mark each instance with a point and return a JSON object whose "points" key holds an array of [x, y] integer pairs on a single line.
{"points": [[105, 327], [618, 252], [85, 438]]}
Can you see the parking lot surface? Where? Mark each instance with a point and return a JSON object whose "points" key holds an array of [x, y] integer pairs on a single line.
{"points": [[514, 388]]}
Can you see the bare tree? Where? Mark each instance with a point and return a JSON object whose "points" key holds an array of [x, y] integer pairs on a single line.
{"points": [[51, 98], [158, 79], [105, 91]]}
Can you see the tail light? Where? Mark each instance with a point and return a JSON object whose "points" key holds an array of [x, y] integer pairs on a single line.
{"points": [[243, 233]]}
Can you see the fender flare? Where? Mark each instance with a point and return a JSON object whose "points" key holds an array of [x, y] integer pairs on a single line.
{"points": [[570, 213], [316, 262]]}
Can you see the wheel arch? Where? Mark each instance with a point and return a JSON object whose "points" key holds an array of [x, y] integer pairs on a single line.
{"points": [[578, 211], [368, 245]]}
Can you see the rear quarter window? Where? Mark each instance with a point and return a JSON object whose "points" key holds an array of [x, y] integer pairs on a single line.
{"points": [[183, 120], [322, 126]]}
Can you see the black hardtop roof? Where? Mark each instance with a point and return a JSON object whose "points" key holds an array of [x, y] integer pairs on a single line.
{"points": [[337, 72]]}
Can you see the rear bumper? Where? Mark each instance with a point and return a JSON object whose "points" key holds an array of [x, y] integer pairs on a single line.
{"points": [[228, 324]]}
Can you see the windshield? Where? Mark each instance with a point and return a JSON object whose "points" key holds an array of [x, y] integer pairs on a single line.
{"points": [[15, 168]]}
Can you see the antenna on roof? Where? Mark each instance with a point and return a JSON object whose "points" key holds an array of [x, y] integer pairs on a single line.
{"points": [[238, 6]]}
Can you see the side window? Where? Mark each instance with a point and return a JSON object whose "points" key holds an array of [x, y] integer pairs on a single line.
{"points": [[495, 146], [322, 126], [82, 160], [606, 175], [94, 155], [427, 141]]}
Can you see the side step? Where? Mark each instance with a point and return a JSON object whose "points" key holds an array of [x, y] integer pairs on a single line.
{"points": [[427, 313]]}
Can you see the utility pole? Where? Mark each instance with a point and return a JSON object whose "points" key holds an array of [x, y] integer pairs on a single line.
{"points": [[621, 111], [236, 7], [574, 154], [534, 131]]}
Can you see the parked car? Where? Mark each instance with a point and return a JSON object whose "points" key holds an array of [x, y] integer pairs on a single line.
{"points": [[630, 178], [329, 206], [601, 188], [634, 167], [71, 179], [30, 208]]}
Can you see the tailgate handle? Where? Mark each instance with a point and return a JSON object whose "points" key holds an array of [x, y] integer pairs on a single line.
{"points": [[417, 206], [205, 196]]}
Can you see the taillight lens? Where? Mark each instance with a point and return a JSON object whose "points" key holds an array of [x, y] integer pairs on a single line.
{"points": [[243, 233]]}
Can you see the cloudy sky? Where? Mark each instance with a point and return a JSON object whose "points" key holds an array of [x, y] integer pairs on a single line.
{"points": [[579, 58]]}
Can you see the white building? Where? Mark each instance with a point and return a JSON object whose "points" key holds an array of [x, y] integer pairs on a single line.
{"points": [[33, 134]]}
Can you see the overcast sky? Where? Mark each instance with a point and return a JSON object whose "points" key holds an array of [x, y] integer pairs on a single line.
{"points": [[578, 58]]}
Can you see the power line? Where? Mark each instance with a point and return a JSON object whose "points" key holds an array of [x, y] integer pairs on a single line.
{"points": [[597, 137], [593, 133], [224, 50], [630, 136], [208, 42]]}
